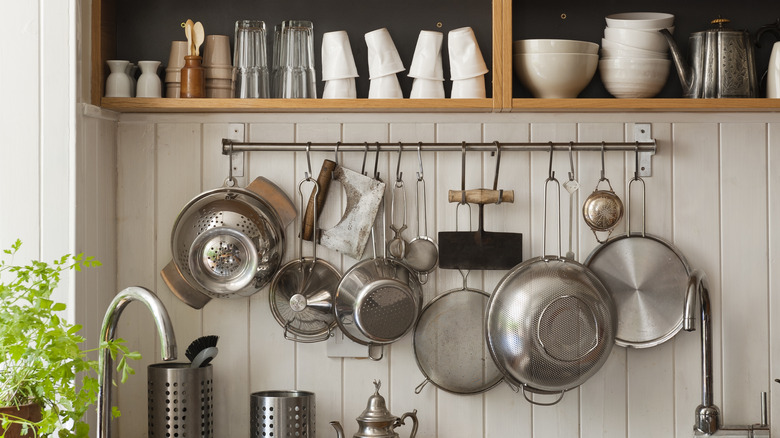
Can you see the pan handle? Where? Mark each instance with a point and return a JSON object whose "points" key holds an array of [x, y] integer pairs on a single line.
{"points": [[294, 338], [418, 389], [525, 394], [381, 355]]}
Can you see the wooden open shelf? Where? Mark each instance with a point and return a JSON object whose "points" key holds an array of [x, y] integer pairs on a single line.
{"points": [[104, 47]]}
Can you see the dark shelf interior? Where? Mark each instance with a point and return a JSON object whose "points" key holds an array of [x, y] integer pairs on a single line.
{"points": [[585, 21], [145, 28]]}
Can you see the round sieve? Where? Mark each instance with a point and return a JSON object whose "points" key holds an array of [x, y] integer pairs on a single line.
{"points": [[449, 343], [301, 292], [422, 253]]}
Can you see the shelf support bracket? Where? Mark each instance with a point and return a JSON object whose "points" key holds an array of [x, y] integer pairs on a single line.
{"points": [[643, 133]]}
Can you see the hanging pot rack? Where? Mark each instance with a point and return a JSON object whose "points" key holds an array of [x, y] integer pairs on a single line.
{"points": [[644, 147]]}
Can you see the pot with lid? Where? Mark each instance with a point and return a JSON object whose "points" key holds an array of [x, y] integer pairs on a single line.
{"points": [[721, 63], [376, 421]]}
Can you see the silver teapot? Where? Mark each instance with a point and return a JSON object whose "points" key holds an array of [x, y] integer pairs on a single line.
{"points": [[722, 63], [376, 421]]}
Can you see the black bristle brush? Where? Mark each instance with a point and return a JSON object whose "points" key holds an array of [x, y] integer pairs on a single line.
{"points": [[202, 350]]}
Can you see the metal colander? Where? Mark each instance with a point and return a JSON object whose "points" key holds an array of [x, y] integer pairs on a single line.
{"points": [[282, 414], [449, 343], [228, 241], [550, 324]]}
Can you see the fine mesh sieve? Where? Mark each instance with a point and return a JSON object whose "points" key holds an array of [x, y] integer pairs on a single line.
{"points": [[180, 401], [449, 343], [282, 414]]}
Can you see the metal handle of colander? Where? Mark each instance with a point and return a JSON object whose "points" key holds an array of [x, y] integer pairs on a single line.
{"points": [[534, 402]]}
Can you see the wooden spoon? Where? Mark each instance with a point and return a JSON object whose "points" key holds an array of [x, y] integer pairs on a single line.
{"points": [[198, 35], [188, 32]]}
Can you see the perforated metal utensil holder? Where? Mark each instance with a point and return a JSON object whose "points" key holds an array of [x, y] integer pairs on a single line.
{"points": [[180, 401], [282, 414]]}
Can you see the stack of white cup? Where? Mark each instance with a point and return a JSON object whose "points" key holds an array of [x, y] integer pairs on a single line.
{"points": [[383, 64], [173, 70], [218, 67], [338, 66], [467, 66], [426, 68]]}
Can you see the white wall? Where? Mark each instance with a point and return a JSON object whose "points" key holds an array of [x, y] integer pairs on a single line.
{"points": [[712, 193]]}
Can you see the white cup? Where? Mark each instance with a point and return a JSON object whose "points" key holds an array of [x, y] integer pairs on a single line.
{"points": [[471, 88], [383, 57], [427, 89], [385, 87], [466, 59], [426, 62], [337, 59], [340, 89]]}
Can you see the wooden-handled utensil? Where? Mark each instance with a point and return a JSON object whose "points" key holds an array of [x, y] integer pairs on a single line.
{"points": [[481, 196], [323, 180], [188, 33], [198, 35]]}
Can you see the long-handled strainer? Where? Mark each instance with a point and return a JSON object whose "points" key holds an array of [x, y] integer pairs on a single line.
{"points": [[301, 293], [422, 253], [449, 342]]}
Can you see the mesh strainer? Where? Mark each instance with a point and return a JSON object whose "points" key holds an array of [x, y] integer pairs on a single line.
{"points": [[550, 322], [449, 343]]}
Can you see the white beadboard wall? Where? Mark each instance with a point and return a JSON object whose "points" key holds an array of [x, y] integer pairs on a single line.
{"points": [[714, 193]]}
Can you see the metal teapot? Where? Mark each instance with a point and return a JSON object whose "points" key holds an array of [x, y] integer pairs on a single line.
{"points": [[722, 63], [376, 421]]}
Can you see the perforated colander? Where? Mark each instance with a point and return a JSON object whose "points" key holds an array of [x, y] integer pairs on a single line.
{"points": [[228, 241]]}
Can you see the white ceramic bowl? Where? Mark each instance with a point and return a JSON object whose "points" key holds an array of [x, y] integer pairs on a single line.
{"points": [[555, 46], [555, 75], [636, 54], [634, 78], [633, 52], [640, 20], [636, 38]]}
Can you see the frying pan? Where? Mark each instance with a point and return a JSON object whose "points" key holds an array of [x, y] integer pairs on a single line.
{"points": [[647, 277], [550, 321]]}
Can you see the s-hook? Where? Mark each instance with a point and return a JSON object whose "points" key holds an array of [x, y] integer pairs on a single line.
{"points": [[308, 161], [497, 153]]}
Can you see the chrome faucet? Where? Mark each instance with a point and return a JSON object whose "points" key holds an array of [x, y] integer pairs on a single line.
{"points": [[107, 332], [707, 414]]}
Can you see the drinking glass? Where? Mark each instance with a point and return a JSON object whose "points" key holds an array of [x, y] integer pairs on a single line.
{"points": [[250, 59], [296, 64]]}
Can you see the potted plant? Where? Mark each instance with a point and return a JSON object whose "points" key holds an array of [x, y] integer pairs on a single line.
{"points": [[47, 381]]}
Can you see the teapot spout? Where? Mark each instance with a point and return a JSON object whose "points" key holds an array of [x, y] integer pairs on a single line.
{"points": [[684, 70], [339, 430]]}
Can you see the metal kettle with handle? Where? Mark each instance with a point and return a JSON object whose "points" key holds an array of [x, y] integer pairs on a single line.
{"points": [[722, 63], [376, 421]]}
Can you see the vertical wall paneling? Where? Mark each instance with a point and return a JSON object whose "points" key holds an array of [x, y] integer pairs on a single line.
{"points": [[602, 399], [448, 176], [136, 243], [774, 270], [744, 261], [697, 234], [265, 334], [706, 175], [178, 176], [504, 409], [404, 373], [227, 318]]}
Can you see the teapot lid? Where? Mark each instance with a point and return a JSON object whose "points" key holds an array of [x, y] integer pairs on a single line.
{"points": [[376, 408]]}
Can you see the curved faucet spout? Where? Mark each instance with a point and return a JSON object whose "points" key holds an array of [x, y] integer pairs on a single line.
{"points": [[707, 414], [107, 332]]}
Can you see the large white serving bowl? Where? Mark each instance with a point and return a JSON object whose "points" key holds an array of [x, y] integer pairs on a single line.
{"points": [[654, 41], [634, 78], [554, 46], [633, 52], [555, 75], [640, 20]]}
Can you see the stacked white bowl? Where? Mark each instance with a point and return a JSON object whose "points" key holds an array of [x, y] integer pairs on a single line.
{"points": [[634, 54], [551, 68]]}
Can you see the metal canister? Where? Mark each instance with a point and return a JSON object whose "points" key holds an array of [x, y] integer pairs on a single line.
{"points": [[282, 413], [180, 400]]}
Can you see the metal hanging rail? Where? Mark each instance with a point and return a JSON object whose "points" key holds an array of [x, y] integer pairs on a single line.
{"points": [[644, 147]]}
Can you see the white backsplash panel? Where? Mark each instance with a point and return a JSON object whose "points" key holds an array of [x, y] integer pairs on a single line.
{"points": [[713, 193]]}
